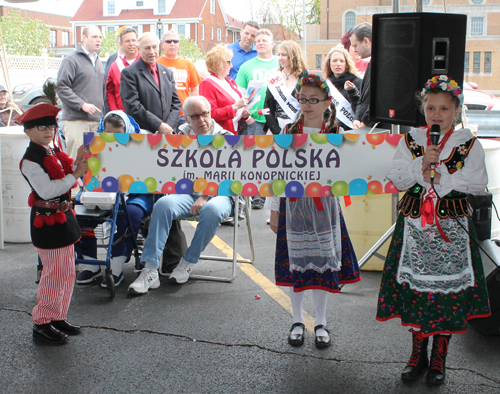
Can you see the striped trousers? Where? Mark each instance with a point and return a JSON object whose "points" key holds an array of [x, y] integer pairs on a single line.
{"points": [[56, 284]]}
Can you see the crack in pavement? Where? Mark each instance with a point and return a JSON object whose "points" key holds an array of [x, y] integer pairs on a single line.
{"points": [[265, 348]]}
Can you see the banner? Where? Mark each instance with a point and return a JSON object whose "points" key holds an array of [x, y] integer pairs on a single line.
{"points": [[298, 165]]}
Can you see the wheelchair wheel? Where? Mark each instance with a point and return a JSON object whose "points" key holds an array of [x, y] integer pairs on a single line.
{"points": [[110, 283]]}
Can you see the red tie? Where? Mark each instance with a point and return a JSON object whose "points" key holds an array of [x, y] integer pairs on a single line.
{"points": [[154, 71]]}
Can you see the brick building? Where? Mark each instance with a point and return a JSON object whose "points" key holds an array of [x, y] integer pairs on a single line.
{"points": [[203, 21], [61, 39], [483, 30]]}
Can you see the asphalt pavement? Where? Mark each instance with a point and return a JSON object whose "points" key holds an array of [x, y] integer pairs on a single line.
{"points": [[211, 337]]}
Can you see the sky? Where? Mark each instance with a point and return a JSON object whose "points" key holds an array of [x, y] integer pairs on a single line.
{"points": [[237, 9]]}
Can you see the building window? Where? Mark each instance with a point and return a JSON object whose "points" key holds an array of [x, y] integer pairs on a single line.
{"points": [[110, 29], [65, 38], [53, 38], [477, 63], [202, 32], [139, 3], [350, 21], [318, 61], [212, 6], [476, 26], [466, 63], [478, 1], [111, 7], [219, 34], [487, 62], [212, 33], [161, 6], [426, 2]]}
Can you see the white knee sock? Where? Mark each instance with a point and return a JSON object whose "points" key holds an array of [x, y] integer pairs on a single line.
{"points": [[89, 267], [116, 264], [297, 301], [319, 297]]}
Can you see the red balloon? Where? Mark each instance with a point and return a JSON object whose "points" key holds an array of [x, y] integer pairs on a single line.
{"points": [[390, 188], [326, 191], [174, 140], [376, 187], [393, 139], [249, 140], [298, 140], [312, 190], [168, 188], [250, 190], [211, 189], [154, 139], [375, 139]]}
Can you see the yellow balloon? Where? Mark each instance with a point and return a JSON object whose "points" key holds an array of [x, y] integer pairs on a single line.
{"points": [[187, 140], [124, 182], [263, 141], [351, 137], [200, 184], [137, 137], [97, 145]]}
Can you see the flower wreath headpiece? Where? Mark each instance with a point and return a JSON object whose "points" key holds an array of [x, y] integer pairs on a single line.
{"points": [[444, 83], [313, 79]]}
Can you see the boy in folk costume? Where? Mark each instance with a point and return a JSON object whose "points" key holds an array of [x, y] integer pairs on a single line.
{"points": [[54, 230]]}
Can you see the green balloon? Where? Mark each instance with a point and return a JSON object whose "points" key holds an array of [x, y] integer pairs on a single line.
{"points": [[218, 141], [236, 187], [94, 165], [279, 187], [107, 137], [151, 184], [340, 188], [319, 138]]}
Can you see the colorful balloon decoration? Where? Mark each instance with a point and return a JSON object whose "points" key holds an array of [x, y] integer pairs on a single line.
{"points": [[93, 184], [326, 191], [249, 140], [137, 136], [236, 187], [250, 190], [225, 188], [124, 182], [375, 139], [184, 186], [211, 190], [351, 137], [87, 138], [375, 187], [107, 137], [319, 138], [199, 185], [358, 187], [187, 140], [313, 189], [279, 187], [97, 145], [335, 139], [154, 139], [266, 190], [218, 141], [138, 187], [232, 140], [393, 139], [110, 184], [298, 140], [205, 139], [390, 188], [263, 141], [168, 188], [294, 188], [151, 184], [94, 165], [340, 188], [123, 138], [174, 140], [283, 140]]}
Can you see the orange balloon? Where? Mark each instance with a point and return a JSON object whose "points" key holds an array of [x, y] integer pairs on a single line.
{"points": [[187, 140], [87, 178], [263, 141], [375, 187], [312, 190], [211, 189], [97, 145], [137, 137], [266, 190], [124, 182], [351, 137], [200, 184], [375, 139], [174, 140]]}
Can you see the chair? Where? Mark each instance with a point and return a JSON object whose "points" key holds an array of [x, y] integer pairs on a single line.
{"points": [[234, 259]]}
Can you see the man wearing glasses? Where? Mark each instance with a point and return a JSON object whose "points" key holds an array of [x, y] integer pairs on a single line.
{"points": [[211, 211], [186, 76]]}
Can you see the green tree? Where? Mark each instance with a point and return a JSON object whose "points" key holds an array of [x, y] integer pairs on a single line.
{"points": [[108, 44], [313, 9], [189, 49], [24, 36]]}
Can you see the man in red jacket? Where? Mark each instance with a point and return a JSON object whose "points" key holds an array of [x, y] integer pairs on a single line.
{"points": [[130, 50]]}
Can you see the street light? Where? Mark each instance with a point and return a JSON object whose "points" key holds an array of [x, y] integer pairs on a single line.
{"points": [[159, 27]]}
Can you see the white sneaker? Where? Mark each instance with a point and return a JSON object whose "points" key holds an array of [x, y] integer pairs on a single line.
{"points": [[181, 273], [148, 279]]}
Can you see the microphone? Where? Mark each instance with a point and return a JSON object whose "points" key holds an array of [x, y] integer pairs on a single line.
{"points": [[434, 134]]}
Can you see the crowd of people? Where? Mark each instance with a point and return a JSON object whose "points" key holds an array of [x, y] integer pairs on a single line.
{"points": [[432, 280]]}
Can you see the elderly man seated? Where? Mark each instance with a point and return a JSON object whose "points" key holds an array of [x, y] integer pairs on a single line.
{"points": [[211, 211]]}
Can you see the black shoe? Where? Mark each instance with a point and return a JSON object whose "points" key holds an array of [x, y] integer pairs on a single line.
{"points": [[320, 341], [49, 333], [419, 361], [296, 339], [65, 327], [437, 370], [87, 276]]}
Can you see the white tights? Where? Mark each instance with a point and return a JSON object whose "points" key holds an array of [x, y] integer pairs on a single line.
{"points": [[297, 298]]}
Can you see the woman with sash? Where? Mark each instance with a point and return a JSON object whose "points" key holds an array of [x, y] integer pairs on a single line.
{"points": [[342, 78], [283, 106], [221, 90]]}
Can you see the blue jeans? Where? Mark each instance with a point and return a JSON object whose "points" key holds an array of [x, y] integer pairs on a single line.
{"points": [[256, 128], [177, 206]]}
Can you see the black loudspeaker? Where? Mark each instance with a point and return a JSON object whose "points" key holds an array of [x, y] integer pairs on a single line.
{"points": [[481, 204], [407, 50]]}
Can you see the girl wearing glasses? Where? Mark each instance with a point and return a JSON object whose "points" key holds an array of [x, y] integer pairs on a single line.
{"points": [[313, 249]]}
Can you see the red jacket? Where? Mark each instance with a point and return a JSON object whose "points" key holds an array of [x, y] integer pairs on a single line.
{"points": [[113, 86], [221, 102]]}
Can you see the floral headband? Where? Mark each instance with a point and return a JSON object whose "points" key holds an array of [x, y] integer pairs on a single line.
{"points": [[444, 83], [315, 80]]}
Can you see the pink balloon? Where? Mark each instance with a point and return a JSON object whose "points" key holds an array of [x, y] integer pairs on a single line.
{"points": [[154, 139], [326, 191], [299, 140], [250, 190], [249, 140], [168, 188], [393, 139], [390, 188]]}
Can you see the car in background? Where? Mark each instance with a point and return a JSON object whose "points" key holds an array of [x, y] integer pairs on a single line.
{"points": [[475, 99], [28, 95]]}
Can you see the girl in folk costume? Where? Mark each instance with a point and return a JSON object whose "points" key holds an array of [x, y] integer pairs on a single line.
{"points": [[313, 249], [280, 98], [54, 230], [433, 277]]}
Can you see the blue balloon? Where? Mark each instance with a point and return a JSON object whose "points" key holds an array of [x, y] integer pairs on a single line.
{"points": [[225, 188], [122, 138], [110, 184], [358, 187], [184, 186], [205, 139], [138, 187], [335, 139], [87, 138], [283, 140], [294, 189], [93, 184], [232, 139]]}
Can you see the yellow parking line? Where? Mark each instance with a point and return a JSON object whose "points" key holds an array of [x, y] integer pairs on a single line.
{"points": [[269, 287]]}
